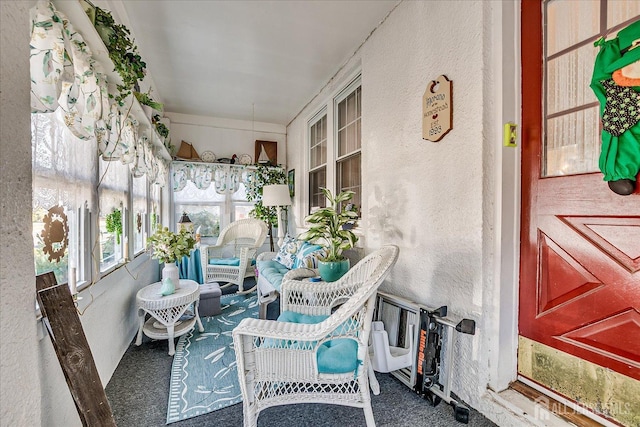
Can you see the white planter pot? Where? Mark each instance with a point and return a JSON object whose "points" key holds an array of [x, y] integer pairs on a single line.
{"points": [[170, 270]]}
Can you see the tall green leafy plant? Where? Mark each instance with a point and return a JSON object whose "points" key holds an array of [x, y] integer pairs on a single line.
{"points": [[264, 175], [330, 226]]}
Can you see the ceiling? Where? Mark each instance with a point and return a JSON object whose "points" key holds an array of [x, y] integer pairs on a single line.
{"points": [[227, 58]]}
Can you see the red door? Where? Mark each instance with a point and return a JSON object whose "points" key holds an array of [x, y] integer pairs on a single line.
{"points": [[580, 242]]}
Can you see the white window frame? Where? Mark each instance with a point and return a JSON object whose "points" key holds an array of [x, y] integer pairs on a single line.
{"points": [[330, 107]]}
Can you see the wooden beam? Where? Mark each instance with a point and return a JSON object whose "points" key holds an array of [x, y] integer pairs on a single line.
{"points": [[71, 347]]}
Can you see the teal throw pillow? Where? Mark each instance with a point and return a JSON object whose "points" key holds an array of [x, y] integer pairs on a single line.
{"points": [[287, 253], [308, 254]]}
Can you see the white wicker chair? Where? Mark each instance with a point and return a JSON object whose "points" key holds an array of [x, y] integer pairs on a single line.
{"points": [[240, 239], [277, 361]]}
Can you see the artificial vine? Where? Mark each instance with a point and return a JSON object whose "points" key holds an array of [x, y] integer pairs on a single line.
{"points": [[114, 223], [145, 99], [122, 51], [264, 175]]}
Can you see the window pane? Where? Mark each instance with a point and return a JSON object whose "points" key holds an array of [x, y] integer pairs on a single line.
{"points": [[619, 11], [570, 22], [349, 129], [568, 79], [202, 206], [572, 138], [342, 141], [139, 189], [318, 143], [317, 179], [155, 199], [342, 114], [349, 177], [64, 180], [207, 218], [46, 259], [113, 195], [572, 143], [242, 212]]}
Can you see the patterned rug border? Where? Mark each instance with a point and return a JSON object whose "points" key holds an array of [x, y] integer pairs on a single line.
{"points": [[179, 368]]}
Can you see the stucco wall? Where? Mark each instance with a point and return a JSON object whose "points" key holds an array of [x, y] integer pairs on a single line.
{"points": [[33, 390], [19, 374], [439, 202]]}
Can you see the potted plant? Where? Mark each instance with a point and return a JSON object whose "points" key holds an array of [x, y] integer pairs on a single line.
{"points": [[169, 248], [113, 223], [331, 228]]}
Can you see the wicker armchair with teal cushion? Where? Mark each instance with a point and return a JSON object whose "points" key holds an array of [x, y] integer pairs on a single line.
{"points": [[317, 351], [232, 258]]}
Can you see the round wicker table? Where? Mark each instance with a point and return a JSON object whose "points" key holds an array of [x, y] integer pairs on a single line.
{"points": [[166, 311]]}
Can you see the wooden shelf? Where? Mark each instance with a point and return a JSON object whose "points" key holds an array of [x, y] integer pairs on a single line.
{"points": [[82, 24]]}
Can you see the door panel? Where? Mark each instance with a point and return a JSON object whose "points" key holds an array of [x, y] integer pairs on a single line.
{"points": [[580, 242]]}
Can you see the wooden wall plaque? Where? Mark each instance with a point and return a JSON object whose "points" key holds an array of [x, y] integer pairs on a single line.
{"points": [[437, 109], [271, 150]]}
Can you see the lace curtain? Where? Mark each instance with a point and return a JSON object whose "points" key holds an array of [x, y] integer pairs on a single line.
{"points": [[63, 165], [66, 79]]}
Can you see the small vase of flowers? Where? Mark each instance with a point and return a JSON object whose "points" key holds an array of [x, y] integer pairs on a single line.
{"points": [[169, 247]]}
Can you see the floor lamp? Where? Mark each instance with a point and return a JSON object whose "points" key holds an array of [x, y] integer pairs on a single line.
{"points": [[277, 195]]}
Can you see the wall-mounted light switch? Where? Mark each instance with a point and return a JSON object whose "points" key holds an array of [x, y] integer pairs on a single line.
{"points": [[510, 135]]}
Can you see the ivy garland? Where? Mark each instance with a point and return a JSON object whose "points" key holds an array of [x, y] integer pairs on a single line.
{"points": [[122, 51]]}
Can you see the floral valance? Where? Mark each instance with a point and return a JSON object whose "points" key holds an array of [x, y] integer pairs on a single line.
{"points": [[67, 80], [225, 178]]}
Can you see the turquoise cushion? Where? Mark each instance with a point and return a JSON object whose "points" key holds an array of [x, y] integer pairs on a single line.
{"points": [[273, 271], [224, 261], [308, 319], [227, 261], [308, 255], [335, 356], [338, 356]]}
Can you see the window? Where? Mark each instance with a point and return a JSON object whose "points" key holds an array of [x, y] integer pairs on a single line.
{"points": [[155, 200], [571, 116], [349, 137], [139, 190], [202, 206], [212, 195], [240, 205], [317, 162], [63, 182], [112, 195], [334, 147]]}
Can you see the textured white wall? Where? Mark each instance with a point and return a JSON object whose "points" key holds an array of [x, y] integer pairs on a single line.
{"points": [[19, 373], [33, 390], [439, 202]]}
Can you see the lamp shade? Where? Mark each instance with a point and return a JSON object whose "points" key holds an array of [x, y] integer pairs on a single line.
{"points": [[276, 195]]}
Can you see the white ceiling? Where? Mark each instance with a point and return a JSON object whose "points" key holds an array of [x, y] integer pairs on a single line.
{"points": [[218, 58]]}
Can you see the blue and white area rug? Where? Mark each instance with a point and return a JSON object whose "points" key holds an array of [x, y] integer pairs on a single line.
{"points": [[204, 376]]}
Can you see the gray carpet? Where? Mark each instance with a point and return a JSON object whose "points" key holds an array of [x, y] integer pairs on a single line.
{"points": [[139, 389]]}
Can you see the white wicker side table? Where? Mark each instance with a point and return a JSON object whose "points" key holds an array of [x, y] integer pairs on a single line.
{"points": [[165, 312]]}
